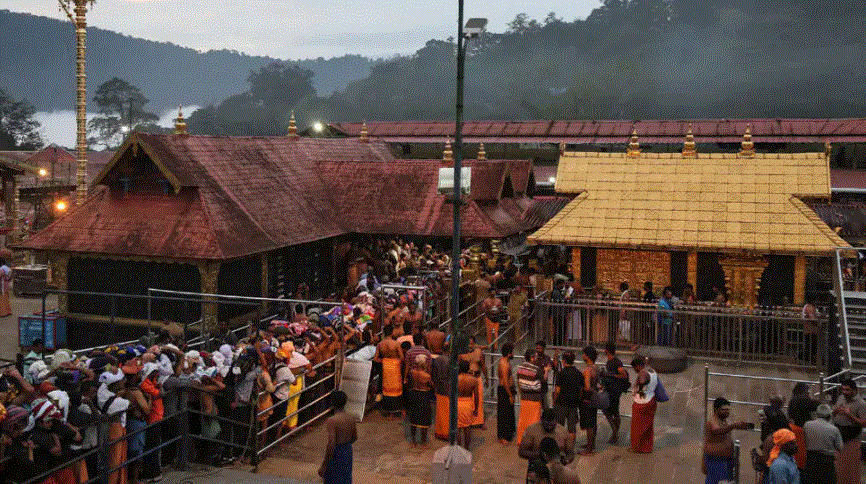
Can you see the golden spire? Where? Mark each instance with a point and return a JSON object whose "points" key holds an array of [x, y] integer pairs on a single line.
{"points": [[828, 148], [747, 149], [293, 126], [447, 154], [482, 153], [633, 145], [180, 123], [365, 135], [689, 147]]}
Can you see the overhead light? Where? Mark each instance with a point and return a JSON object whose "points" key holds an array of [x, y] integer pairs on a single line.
{"points": [[318, 127], [61, 206], [552, 179], [43, 172], [474, 27]]}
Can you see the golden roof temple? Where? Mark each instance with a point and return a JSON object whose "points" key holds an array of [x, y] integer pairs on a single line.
{"points": [[744, 207]]}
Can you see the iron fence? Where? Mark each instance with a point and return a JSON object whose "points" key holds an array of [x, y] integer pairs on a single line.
{"points": [[777, 335]]}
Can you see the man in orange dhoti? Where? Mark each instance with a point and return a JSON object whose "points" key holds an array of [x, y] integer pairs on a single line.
{"points": [[468, 404], [388, 353], [440, 387], [529, 382]]}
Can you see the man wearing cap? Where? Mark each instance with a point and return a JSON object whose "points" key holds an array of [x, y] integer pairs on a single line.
{"points": [[823, 440], [782, 468]]}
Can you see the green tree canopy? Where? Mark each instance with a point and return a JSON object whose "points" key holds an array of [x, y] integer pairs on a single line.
{"points": [[120, 109], [18, 129]]}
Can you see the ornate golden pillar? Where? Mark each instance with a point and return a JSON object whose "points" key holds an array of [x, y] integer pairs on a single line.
{"points": [[59, 267], [692, 269], [799, 280], [575, 263], [209, 272], [743, 277]]}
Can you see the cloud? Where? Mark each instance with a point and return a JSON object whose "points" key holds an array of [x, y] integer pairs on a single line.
{"points": [[59, 127], [296, 29]]}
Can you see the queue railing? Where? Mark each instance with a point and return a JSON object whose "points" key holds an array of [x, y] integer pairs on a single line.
{"points": [[778, 335]]}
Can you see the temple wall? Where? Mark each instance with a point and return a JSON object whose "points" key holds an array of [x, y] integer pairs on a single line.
{"points": [[614, 266]]}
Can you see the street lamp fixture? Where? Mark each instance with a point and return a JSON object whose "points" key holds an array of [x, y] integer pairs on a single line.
{"points": [[43, 172], [318, 127], [60, 205], [474, 28]]}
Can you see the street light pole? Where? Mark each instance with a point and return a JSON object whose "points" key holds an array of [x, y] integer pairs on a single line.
{"points": [[455, 236], [473, 28]]}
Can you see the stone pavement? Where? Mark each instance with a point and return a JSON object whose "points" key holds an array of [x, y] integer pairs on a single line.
{"points": [[210, 475], [382, 454]]}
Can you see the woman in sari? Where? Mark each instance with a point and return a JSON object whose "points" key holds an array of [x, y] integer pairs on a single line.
{"points": [[644, 407]]}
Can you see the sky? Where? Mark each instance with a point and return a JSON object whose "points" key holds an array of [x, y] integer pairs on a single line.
{"points": [[301, 29]]}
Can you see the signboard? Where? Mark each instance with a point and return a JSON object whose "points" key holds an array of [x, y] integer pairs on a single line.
{"points": [[54, 333], [355, 382]]}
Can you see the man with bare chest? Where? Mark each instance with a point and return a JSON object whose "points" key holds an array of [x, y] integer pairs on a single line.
{"points": [[475, 357], [468, 404], [491, 308], [435, 339], [388, 352], [337, 465]]}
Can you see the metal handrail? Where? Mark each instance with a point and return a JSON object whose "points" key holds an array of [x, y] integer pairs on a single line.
{"points": [[838, 283]]}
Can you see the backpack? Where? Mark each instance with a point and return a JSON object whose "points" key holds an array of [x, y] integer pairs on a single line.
{"points": [[660, 393]]}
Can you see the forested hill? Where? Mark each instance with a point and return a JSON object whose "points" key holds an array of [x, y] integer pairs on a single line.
{"points": [[638, 59], [38, 64]]}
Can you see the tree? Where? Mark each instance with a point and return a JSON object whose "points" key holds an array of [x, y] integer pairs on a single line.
{"points": [[18, 129], [522, 24], [121, 108]]}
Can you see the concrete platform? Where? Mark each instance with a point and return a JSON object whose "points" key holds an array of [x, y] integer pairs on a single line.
{"points": [[382, 454]]}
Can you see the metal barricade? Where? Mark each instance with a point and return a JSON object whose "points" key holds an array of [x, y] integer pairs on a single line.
{"points": [[777, 335]]}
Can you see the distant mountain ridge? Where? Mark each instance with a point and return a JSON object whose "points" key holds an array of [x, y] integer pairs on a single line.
{"points": [[39, 65]]}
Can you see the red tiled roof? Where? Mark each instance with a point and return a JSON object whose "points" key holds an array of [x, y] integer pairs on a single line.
{"points": [[238, 196], [135, 224], [255, 194], [62, 161], [401, 197], [618, 131]]}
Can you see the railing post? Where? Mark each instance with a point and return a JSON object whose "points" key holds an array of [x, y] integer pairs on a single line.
{"points": [[821, 386], [44, 295], [185, 318], [254, 445], [111, 312], [183, 424], [101, 454], [739, 338], [736, 469], [149, 312], [706, 392]]}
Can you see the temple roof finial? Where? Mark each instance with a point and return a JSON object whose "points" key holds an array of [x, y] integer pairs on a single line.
{"points": [[293, 126], [365, 135], [447, 153], [180, 123], [689, 147], [633, 145], [482, 153], [747, 149]]}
